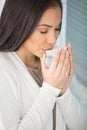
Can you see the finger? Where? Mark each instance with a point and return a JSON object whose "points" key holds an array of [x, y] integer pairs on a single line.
{"points": [[44, 67], [70, 49], [65, 72], [71, 58], [61, 60], [66, 66], [56, 59]]}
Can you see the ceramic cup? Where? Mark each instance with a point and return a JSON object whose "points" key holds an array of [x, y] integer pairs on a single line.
{"points": [[50, 55]]}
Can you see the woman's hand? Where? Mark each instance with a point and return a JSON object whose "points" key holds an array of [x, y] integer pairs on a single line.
{"points": [[60, 72], [71, 72]]}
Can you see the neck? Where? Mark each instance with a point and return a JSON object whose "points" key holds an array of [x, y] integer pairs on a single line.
{"points": [[28, 59]]}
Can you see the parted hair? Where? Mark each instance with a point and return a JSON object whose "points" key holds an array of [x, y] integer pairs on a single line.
{"points": [[19, 19]]}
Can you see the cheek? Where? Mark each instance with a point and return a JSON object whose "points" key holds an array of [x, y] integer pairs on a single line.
{"points": [[38, 41]]}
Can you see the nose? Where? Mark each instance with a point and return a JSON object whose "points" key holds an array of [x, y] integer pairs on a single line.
{"points": [[52, 39]]}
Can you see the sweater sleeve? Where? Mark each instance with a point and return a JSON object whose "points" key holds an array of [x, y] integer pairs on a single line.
{"points": [[1, 123], [73, 111], [37, 116]]}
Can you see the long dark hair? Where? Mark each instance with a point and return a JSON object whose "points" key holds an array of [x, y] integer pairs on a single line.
{"points": [[19, 19]]}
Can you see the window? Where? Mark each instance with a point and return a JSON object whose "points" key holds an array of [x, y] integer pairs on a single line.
{"points": [[76, 32]]}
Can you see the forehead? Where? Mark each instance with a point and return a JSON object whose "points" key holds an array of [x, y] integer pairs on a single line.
{"points": [[51, 16]]}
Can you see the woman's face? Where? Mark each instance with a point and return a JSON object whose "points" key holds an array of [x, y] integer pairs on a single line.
{"points": [[45, 34]]}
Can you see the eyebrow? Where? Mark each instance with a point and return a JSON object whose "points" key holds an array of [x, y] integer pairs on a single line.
{"points": [[48, 25], [45, 25]]}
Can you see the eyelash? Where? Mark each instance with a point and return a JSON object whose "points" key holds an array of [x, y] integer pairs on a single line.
{"points": [[58, 29], [43, 32]]}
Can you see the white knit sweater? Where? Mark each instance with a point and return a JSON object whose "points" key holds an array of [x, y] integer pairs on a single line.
{"points": [[26, 106]]}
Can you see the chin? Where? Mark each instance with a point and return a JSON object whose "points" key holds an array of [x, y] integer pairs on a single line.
{"points": [[40, 55]]}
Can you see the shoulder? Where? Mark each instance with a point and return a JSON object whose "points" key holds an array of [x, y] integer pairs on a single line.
{"points": [[5, 59], [6, 65], [9, 78], [8, 61]]}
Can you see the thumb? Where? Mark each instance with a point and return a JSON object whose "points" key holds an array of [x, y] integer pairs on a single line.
{"points": [[43, 63]]}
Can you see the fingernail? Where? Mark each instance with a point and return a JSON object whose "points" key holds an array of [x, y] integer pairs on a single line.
{"points": [[69, 44], [67, 53], [60, 49], [65, 48]]}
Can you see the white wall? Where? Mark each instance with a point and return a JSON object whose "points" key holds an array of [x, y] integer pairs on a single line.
{"points": [[62, 38], [1, 5]]}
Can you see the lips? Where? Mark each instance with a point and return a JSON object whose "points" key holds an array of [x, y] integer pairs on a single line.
{"points": [[47, 49]]}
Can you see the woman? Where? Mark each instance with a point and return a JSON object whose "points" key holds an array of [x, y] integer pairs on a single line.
{"points": [[34, 96]]}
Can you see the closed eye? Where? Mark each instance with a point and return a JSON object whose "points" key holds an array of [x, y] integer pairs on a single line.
{"points": [[43, 32], [58, 29]]}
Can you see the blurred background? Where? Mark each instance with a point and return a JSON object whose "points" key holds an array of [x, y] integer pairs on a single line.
{"points": [[76, 32]]}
